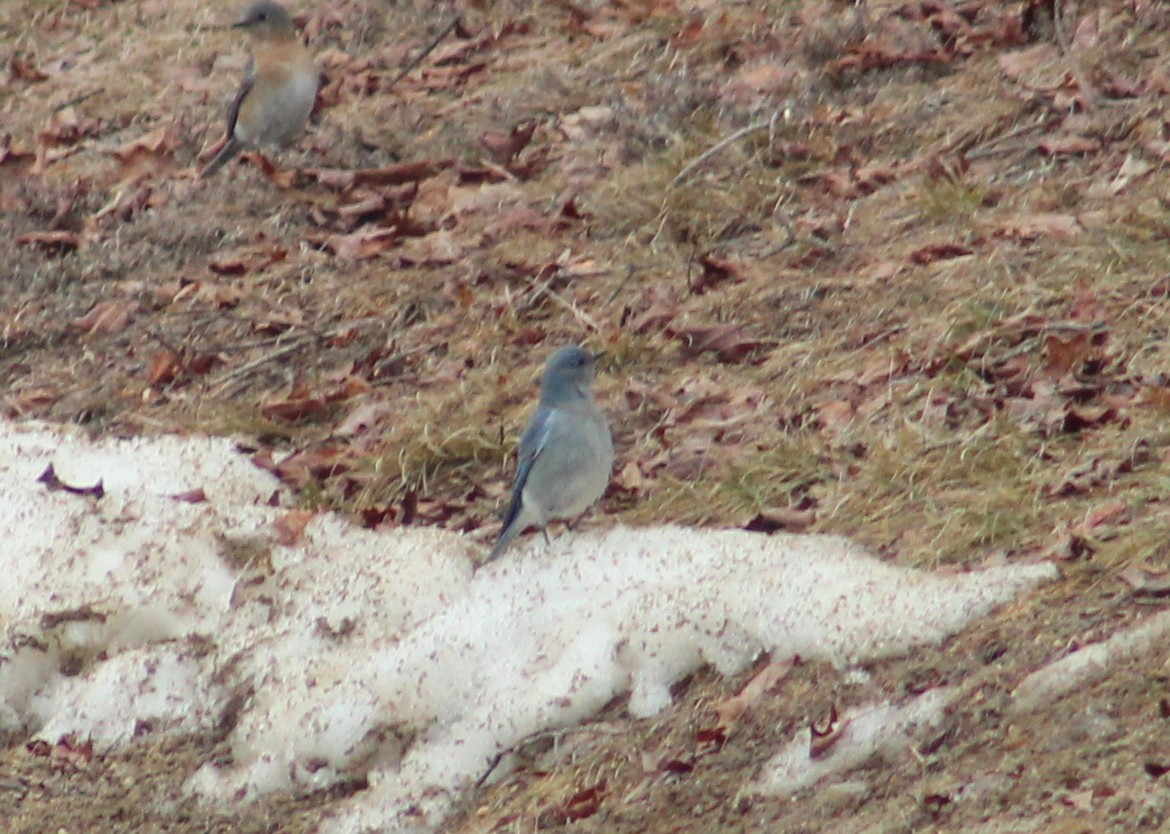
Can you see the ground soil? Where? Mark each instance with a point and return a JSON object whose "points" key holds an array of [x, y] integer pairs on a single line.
{"points": [[892, 270]]}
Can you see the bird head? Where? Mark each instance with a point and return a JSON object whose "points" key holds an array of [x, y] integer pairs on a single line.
{"points": [[265, 19], [568, 375]]}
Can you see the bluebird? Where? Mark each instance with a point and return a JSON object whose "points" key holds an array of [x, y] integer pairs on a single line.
{"points": [[279, 87], [566, 453]]}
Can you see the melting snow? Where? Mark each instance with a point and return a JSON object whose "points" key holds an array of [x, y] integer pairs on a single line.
{"points": [[383, 653]]}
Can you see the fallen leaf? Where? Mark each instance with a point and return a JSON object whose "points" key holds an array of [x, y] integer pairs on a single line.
{"points": [[777, 519], [1024, 62], [1147, 580], [290, 526], [938, 252], [1028, 227], [1067, 145], [404, 172], [825, 731], [54, 484], [730, 342], [362, 418], [503, 147], [53, 242], [248, 259], [715, 271], [762, 683], [165, 368], [22, 69], [104, 318]]}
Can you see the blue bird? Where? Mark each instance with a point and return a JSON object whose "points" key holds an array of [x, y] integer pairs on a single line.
{"points": [[566, 452], [279, 87]]}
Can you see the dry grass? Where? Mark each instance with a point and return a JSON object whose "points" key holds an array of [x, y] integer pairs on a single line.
{"points": [[874, 409]]}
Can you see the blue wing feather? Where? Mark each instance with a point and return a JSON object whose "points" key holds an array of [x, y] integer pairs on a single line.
{"points": [[531, 444]]}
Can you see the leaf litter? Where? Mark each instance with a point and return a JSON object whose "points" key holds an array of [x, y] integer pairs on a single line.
{"points": [[938, 257]]}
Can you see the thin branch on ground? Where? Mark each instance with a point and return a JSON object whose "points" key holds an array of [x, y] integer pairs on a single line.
{"points": [[1088, 91], [427, 50], [580, 315], [719, 146], [292, 344]]}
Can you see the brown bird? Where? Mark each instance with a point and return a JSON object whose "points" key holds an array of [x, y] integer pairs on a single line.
{"points": [[279, 87]]}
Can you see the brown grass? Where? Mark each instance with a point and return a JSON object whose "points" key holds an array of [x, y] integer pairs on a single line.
{"points": [[874, 410]]}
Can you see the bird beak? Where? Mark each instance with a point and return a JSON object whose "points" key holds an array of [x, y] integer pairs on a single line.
{"points": [[597, 357]]}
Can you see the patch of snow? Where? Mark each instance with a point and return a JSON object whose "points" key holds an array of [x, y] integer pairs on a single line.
{"points": [[880, 729], [383, 654], [1074, 670]]}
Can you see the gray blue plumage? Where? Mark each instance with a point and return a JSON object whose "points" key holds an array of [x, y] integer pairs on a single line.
{"points": [[566, 453]]}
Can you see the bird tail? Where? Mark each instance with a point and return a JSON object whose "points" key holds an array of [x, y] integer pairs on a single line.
{"points": [[514, 523], [232, 147], [507, 536]]}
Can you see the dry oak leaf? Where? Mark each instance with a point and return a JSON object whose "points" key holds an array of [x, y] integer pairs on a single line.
{"points": [[35, 398], [938, 252], [300, 404], [1065, 353], [661, 307], [716, 270], [503, 147], [1067, 144], [55, 242], [1114, 513], [362, 245], [1029, 227], [159, 142], [630, 478], [10, 153], [1156, 396], [730, 342], [1017, 65], [781, 519], [66, 127], [165, 368], [249, 259], [436, 249], [1147, 580], [290, 527], [400, 174], [22, 69], [731, 709], [104, 318], [304, 468]]}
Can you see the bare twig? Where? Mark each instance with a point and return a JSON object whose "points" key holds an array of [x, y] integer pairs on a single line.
{"points": [[1091, 96], [580, 315], [723, 143], [288, 346], [78, 99], [448, 29]]}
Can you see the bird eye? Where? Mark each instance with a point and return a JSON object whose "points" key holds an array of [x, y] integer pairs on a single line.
{"points": [[262, 16]]}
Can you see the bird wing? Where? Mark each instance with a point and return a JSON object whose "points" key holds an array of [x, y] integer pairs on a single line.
{"points": [[532, 443], [233, 113]]}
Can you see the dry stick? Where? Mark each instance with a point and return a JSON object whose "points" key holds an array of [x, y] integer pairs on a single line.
{"points": [[584, 318], [1093, 98], [78, 99], [723, 143], [448, 29], [294, 343]]}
